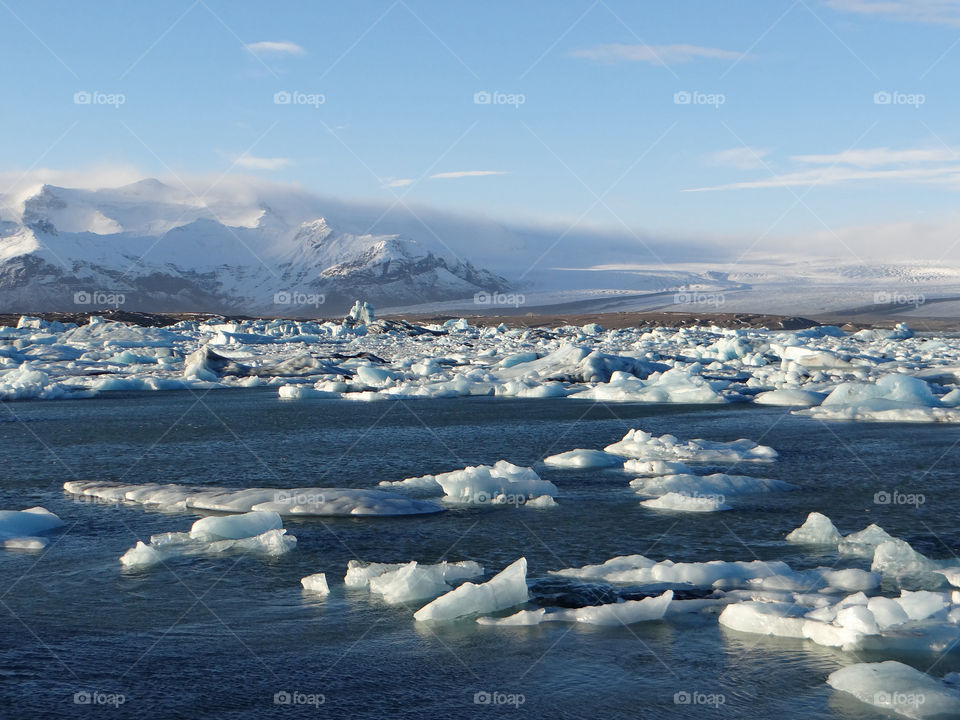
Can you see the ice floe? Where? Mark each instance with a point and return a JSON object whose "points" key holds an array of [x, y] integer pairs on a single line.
{"points": [[645, 446], [505, 589], [258, 533], [403, 583], [894, 687], [316, 583], [581, 458], [627, 612], [295, 501], [502, 483], [19, 528]]}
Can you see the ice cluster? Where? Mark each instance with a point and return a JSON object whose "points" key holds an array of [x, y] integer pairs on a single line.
{"points": [[295, 501], [876, 375], [259, 533]]}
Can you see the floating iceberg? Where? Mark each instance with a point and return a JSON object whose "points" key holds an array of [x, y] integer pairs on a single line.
{"points": [[297, 501], [19, 528], [687, 503], [613, 614], [505, 589], [581, 458], [717, 486], [816, 530], [500, 484], [643, 445], [214, 536], [403, 583], [639, 570], [894, 687], [316, 583]]}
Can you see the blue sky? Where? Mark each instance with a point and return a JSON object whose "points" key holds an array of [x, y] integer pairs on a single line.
{"points": [[784, 132]]}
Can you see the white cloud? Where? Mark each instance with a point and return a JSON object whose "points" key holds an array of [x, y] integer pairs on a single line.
{"points": [[654, 54], [271, 47], [940, 12], [877, 157], [466, 173], [837, 175], [252, 162], [742, 158], [396, 182]]}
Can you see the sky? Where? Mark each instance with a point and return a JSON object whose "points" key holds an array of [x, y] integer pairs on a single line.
{"points": [[756, 119]]}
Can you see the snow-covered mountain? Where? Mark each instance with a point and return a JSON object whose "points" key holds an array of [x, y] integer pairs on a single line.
{"points": [[162, 248], [267, 249]]}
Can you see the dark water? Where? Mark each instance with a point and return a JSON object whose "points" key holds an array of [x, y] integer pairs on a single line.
{"points": [[219, 638]]}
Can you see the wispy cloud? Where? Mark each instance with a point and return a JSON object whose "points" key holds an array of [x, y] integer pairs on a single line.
{"points": [[940, 12], [391, 182], [878, 157], [614, 53], [742, 158], [466, 173], [883, 164], [252, 162], [271, 47]]}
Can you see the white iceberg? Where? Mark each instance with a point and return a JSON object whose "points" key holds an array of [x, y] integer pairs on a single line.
{"points": [[505, 589], [894, 687], [643, 445], [19, 528], [581, 458], [296, 501], [677, 502], [817, 529], [610, 614], [316, 583]]}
